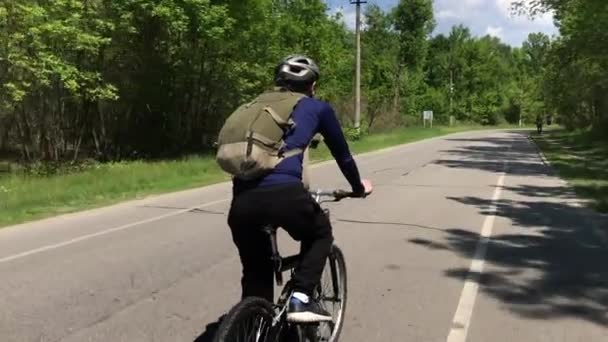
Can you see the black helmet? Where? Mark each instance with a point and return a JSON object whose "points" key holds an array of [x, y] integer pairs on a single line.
{"points": [[297, 70]]}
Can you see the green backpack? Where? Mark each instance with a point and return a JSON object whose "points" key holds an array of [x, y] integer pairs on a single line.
{"points": [[250, 143]]}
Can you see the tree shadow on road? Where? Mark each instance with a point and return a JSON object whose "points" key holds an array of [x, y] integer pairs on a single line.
{"points": [[542, 191], [552, 263], [555, 268], [490, 155]]}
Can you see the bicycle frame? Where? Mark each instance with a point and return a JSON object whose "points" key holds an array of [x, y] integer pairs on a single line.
{"points": [[275, 325], [282, 264]]}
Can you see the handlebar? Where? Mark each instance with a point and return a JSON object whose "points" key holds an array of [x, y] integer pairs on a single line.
{"points": [[336, 194]]}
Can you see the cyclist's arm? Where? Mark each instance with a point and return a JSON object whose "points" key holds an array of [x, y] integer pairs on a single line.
{"points": [[330, 129]]}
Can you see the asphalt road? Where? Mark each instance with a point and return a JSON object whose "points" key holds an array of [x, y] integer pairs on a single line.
{"points": [[470, 237]]}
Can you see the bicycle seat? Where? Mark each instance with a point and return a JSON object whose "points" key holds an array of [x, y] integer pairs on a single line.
{"points": [[270, 229]]}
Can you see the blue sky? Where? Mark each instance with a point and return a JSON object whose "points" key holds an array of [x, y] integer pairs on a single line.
{"points": [[481, 16]]}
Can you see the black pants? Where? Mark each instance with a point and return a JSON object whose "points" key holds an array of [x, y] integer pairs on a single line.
{"points": [[292, 208]]}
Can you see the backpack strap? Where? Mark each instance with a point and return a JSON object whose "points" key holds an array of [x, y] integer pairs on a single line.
{"points": [[278, 119], [291, 153], [251, 136]]}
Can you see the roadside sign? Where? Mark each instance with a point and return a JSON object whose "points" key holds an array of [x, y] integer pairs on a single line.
{"points": [[427, 115]]}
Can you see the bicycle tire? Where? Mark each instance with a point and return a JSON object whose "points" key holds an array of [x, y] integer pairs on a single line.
{"points": [[337, 273], [234, 322]]}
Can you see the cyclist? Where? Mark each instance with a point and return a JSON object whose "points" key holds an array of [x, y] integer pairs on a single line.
{"points": [[280, 198], [539, 123]]}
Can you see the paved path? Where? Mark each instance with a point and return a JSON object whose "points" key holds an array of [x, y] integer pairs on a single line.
{"points": [[470, 237]]}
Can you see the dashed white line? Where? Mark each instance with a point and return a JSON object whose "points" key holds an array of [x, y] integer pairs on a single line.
{"points": [[123, 227], [137, 223]]}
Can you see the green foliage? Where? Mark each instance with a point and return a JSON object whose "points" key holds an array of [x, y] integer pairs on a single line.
{"points": [[473, 79], [413, 22], [116, 79], [581, 157], [379, 64], [575, 77]]}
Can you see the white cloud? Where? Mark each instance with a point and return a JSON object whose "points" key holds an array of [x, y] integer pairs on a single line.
{"points": [[481, 16], [472, 3], [544, 20], [504, 6], [460, 4], [442, 14], [495, 31], [462, 11], [493, 17], [349, 16]]}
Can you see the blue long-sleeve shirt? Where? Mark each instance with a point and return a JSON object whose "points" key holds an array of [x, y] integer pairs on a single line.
{"points": [[311, 116]]}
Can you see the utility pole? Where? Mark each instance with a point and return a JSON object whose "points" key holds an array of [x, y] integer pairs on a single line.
{"points": [[521, 100], [358, 66], [451, 91]]}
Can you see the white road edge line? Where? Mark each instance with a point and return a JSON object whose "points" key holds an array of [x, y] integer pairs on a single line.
{"points": [[464, 311], [104, 232]]}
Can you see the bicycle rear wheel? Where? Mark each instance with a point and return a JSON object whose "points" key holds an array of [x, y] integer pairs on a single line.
{"points": [[331, 294], [248, 321]]}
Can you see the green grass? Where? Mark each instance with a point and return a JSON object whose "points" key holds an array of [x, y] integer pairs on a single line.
{"points": [[27, 198], [581, 158], [24, 198]]}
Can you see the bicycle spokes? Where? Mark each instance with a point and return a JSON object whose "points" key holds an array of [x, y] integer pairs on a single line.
{"points": [[254, 329], [329, 287]]}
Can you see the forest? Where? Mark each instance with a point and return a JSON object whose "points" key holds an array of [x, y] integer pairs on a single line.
{"points": [[125, 79]]}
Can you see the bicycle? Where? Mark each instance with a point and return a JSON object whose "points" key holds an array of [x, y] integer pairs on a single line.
{"points": [[257, 320]]}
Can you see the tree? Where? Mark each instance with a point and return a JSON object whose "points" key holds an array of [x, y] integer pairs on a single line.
{"points": [[380, 54], [576, 78], [413, 20], [115, 79]]}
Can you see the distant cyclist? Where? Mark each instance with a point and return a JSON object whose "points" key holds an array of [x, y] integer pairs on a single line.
{"points": [[280, 198], [539, 123]]}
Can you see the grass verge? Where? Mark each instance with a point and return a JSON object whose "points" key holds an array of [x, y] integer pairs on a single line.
{"points": [[581, 158], [24, 198]]}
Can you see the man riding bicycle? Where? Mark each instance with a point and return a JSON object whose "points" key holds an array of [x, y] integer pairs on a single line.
{"points": [[280, 197]]}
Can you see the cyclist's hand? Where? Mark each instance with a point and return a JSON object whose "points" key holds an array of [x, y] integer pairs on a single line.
{"points": [[367, 185], [367, 189]]}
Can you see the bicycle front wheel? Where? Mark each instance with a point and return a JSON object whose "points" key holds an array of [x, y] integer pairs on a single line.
{"points": [[331, 294], [248, 321]]}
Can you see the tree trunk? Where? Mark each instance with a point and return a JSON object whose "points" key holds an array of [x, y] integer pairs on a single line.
{"points": [[77, 146], [25, 152], [96, 142], [396, 98]]}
